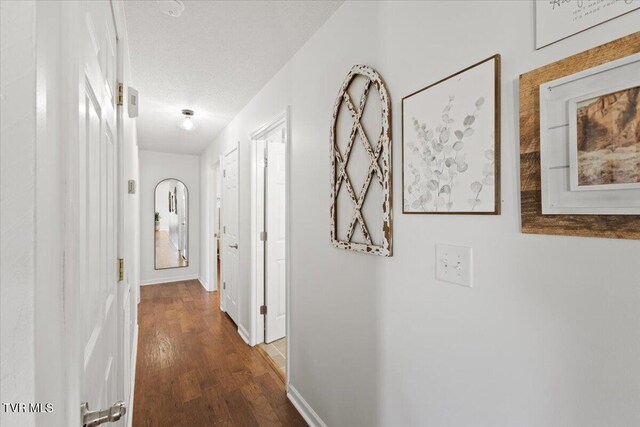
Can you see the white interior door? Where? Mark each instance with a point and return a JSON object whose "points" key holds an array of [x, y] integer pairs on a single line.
{"points": [[275, 260], [98, 316], [230, 262]]}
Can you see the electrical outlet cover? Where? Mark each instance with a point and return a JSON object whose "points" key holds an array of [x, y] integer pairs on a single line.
{"points": [[454, 264]]}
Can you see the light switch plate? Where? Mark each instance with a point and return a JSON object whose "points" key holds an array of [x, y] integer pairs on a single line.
{"points": [[454, 264]]}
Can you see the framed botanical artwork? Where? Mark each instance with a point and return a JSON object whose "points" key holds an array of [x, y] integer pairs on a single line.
{"points": [[604, 139], [451, 144], [559, 19]]}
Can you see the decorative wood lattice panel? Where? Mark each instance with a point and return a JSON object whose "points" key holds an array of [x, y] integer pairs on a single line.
{"points": [[379, 157]]}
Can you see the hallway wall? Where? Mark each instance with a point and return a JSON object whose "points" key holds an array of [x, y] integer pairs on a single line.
{"points": [[155, 167], [546, 337], [18, 228]]}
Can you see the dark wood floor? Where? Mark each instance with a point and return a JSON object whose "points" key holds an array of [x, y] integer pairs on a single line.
{"points": [[193, 369]]}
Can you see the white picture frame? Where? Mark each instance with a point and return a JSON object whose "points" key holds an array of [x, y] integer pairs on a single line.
{"points": [[573, 105], [559, 19], [556, 193]]}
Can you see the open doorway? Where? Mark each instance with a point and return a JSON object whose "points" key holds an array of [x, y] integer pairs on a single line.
{"points": [[213, 263], [271, 254]]}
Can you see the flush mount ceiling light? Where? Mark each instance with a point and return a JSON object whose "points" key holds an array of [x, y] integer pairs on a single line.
{"points": [[173, 8], [187, 123]]}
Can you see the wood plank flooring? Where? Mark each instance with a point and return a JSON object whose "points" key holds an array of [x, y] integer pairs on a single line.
{"points": [[193, 369]]}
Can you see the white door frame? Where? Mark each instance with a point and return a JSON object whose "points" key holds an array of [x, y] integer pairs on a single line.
{"points": [[211, 238], [126, 293], [257, 225]]}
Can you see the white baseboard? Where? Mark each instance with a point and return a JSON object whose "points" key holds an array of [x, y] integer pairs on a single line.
{"points": [[243, 333], [167, 280], [134, 359], [304, 408], [204, 284]]}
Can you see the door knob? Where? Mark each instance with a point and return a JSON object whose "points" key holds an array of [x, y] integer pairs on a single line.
{"points": [[95, 418], [234, 246]]}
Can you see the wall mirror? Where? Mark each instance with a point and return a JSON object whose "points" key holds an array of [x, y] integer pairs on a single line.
{"points": [[171, 224]]}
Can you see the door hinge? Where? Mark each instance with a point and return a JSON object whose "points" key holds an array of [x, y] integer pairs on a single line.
{"points": [[224, 229], [96, 418], [120, 269], [263, 236], [224, 285], [120, 96], [263, 309], [224, 173]]}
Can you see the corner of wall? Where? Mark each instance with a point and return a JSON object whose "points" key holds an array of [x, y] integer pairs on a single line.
{"points": [[303, 407], [204, 283]]}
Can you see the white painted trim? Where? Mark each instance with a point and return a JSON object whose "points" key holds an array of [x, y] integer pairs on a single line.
{"points": [[120, 20], [303, 407], [150, 282], [134, 358], [123, 291], [243, 334], [204, 284], [287, 243], [269, 126], [257, 246]]}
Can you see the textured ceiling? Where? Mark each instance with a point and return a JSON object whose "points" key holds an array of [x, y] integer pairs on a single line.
{"points": [[213, 59]]}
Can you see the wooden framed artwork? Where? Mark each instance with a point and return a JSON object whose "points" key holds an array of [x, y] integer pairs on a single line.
{"points": [[451, 144], [551, 99], [360, 214], [558, 19]]}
